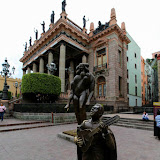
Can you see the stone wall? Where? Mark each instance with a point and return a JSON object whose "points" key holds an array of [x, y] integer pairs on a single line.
{"points": [[58, 118]]}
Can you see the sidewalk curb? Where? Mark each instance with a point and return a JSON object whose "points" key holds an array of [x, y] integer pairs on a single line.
{"points": [[66, 137]]}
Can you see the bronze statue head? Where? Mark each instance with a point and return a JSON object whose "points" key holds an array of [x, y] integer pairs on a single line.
{"points": [[97, 111]]}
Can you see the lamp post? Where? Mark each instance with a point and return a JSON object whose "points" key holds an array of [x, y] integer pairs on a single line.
{"points": [[51, 67], [16, 86], [5, 73]]}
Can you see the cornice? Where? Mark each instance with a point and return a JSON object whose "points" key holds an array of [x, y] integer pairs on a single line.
{"points": [[113, 28], [57, 26]]}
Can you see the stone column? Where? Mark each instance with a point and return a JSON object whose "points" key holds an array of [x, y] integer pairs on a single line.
{"points": [[50, 59], [29, 70], [62, 59], [71, 73], [24, 72], [84, 59], [34, 68], [41, 65]]}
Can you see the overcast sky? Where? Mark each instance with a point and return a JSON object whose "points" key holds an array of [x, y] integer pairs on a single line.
{"points": [[20, 17]]}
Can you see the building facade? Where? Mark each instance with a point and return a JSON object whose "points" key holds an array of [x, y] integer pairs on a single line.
{"points": [[143, 80], [134, 73], [11, 84], [104, 48], [149, 72]]}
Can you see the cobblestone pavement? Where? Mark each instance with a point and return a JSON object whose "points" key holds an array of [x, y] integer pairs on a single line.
{"points": [[43, 144]]}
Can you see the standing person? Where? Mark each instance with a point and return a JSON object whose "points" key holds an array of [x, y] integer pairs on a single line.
{"points": [[2, 110], [157, 119], [145, 116]]}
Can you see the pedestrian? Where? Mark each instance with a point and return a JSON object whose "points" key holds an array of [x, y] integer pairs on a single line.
{"points": [[145, 116], [2, 110], [157, 119]]}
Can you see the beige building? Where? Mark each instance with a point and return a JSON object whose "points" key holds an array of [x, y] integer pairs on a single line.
{"points": [[10, 83]]}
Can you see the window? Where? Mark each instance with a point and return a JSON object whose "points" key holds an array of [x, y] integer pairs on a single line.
{"points": [[120, 86], [135, 78], [136, 91], [136, 102], [135, 55], [101, 86], [127, 88], [127, 59], [120, 57], [127, 74], [135, 66], [101, 57]]}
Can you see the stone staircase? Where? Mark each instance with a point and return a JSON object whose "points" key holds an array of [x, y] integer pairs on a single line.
{"points": [[134, 123], [23, 125]]}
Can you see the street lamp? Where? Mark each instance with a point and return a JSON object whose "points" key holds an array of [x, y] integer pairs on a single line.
{"points": [[51, 67], [5, 73], [16, 86]]}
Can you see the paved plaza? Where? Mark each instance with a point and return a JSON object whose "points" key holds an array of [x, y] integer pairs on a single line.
{"points": [[43, 144]]}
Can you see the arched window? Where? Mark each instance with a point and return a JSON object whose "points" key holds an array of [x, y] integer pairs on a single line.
{"points": [[101, 86]]}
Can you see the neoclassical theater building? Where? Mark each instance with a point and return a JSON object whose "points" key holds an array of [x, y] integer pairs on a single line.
{"points": [[104, 48]]}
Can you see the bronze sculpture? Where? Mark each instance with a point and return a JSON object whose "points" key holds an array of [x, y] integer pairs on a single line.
{"points": [[84, 22], [43, 26], [52, 17], [36, 34], [63, 5], [30, 41], [101, 144], [82, 88]]}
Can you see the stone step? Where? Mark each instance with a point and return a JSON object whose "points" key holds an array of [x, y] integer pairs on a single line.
{"points": [[21, 123], [134, 123], [24, 126]]}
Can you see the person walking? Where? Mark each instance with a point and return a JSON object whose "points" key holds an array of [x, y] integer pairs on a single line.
{"points": [[2, 110]]}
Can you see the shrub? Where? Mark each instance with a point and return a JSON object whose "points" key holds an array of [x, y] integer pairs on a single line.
{"points": [[41, 84]]}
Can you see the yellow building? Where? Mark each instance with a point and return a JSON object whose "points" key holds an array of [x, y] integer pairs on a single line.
{"points": [[10, 83]]}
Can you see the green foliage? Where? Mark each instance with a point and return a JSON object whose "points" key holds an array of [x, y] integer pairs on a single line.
{"points": [[41, 83]]}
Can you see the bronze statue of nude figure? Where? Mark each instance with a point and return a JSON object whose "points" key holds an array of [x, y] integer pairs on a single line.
{"points": [[82, 88]]}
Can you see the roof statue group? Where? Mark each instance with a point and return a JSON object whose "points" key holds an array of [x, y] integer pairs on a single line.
{"points": [[52, 22]]}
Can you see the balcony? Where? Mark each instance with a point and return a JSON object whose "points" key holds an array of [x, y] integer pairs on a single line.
{"points": [[100, 68]]}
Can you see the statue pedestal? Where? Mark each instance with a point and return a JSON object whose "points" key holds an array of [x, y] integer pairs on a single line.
{"points": [[42, 34], [64, 15], [51, 25], [30, 47], [84, 30], [35, 41]]}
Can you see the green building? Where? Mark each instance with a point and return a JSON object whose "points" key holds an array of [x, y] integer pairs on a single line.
{"points": [[134, 73]]}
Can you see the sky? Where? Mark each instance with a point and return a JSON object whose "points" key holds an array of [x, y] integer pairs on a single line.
{"points": [[19, 18]]}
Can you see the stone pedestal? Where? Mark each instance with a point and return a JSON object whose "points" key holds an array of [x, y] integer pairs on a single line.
{"points": [[42, 34], [84, 30], [64, 15], [51, 25]]}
